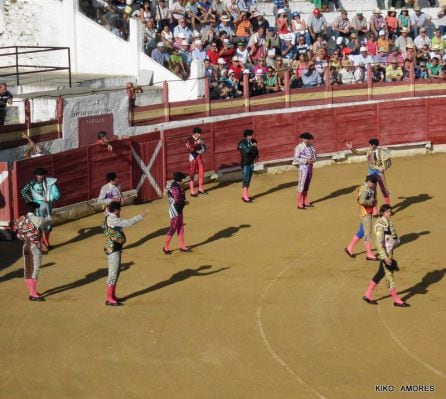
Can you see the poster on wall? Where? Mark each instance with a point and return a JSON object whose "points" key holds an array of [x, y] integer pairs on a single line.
{"points": [[89, 126]]}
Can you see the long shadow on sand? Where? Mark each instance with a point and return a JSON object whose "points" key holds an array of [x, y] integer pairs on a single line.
{"points": [[157, 233], [336, 193], [176, 278], [225, 233], [406, 238], [19, 272], [421, 288], [282, 186], [82, 234], [408, 201], [89, 278]]}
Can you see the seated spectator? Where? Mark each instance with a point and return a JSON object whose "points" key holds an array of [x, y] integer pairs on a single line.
{"points": [[442, 19], [377, 23], [257, 86], [151, 36], [300, 65], [225, 26], [160, 55], [205, 7], [403, 40], [404, 20], [321, 62], [421, 71], [210, 73], [418, 21], [364, 57], [360, 74], [354, 44], [372, 45], [423, 54], [394, 72], [261, 65], [311, 77], [395, 56], [341, 25], [183, 29], [422, 39], [212, 54], [258, 20], [233, 84], [242, 54], [317, 24], [176, 64], [193, 13], [302, 47], [438, 40], [381, 59], [295, 81], [406, 70], [218, 7], [186, 55], [270, 81], [434, 69], [360, 26], [227, 51], [163, 16], [5, 100], [282, 23], [299, 28], [232, 11], [237, 67], [287, 48], [167, 37], [378, 73], [335, 61], [280, 69], [178, 10], [383, 41], [346, 75], [243, 27], [435, 51], [410, 52], [391, 23], [257, 45]]}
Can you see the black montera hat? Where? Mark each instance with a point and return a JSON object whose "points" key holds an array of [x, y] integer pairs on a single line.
{"points": [[178, 176], [306, 136], [374, 142], [248, 132], [196, 130], [40, 172]]}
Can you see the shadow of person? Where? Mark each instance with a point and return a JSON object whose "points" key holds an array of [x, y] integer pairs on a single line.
{"points": [[89, 278], [157, 233], [221, 184], [82, 234], [10, 251], [176, 278], [225, 233], [274, 189], [336, 193], [429, 278], [406, 238], [19, 272], [421, 288], [407, 201]]}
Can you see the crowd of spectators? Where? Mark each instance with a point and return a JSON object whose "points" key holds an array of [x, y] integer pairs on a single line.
{"points": [[231, 38]]}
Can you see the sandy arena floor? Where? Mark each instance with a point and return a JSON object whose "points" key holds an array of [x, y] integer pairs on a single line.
{"points": [[267, 306]]}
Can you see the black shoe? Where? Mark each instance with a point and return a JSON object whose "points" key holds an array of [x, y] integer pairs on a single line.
{"points": [[401, 305], [113, 303], [194, 195], [369, 301], [36, 298], [167, 251], [302, 208], [348, 253], [185, 250], [247, 201], [202, 192], [309, 206], [372, 259]]}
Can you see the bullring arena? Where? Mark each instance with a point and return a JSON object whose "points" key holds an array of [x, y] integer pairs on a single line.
{"points": [[266, 306]]}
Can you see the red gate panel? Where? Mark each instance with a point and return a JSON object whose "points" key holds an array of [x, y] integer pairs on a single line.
{"points": [[89, 126], [5, 195], [321, 124]]}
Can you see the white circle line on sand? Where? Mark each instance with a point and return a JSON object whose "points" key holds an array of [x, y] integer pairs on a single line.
{"points": [[405, 349], [265, 339]]}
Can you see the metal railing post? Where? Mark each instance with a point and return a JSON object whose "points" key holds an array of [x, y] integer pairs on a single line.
{"points": [[17, 65], [69, 67]]}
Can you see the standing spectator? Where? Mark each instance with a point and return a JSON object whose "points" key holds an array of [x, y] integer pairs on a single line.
{"points": [[386, 239], [115, 240], [248, 153], [132, 92], [29, 229], [391, 23], [317, 24], [242, 54], [160, 55], [196, 147], [243, 27], [104, 141], [163, 15], [44, 191], [5, 99], [198, 53], [110, 192], [177, 202], [304, 157]]}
